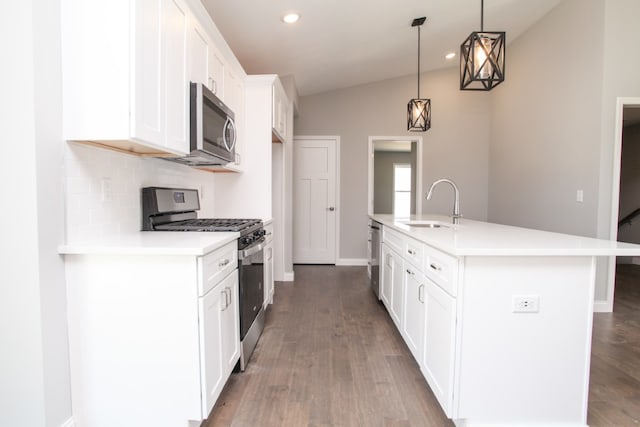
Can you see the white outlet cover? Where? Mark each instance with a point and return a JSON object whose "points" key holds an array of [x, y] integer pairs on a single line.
{"points": [[525, 304]]}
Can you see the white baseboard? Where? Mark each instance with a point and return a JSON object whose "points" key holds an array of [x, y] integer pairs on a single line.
{"points": [[69, 423], [602, 307], [352, 261], [288, 276]]}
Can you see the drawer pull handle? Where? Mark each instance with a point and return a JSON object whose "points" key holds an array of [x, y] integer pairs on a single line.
{"points": [[223, 263], [411, 252], [410, 272], [225, 304], [435, 267], [421, 294]]}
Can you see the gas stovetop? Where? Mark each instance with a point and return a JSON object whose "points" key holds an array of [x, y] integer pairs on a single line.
{"points": [[175, 209], [242, 225]]}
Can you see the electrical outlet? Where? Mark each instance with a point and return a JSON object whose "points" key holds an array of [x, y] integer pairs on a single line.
{"points": [[526, 304], [580, 196], [106, 189]]}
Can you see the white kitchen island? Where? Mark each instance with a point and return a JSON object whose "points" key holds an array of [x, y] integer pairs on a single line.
{"points": [[499, 318], [153, 326]]}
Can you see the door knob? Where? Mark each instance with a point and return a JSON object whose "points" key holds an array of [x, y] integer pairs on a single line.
{"points": [[331, 208]]}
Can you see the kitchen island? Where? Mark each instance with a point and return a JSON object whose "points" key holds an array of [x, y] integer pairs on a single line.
{"points": [[499, 318]]}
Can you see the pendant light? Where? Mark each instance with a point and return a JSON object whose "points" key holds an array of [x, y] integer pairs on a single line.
{"points": [[482, 58], [418, 110]]}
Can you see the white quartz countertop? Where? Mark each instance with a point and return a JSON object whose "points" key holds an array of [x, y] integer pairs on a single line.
{"points": [[476, 238], [152, 243]]}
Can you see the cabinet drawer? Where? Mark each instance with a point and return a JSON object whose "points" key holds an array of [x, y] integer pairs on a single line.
{"points": [[393, 239], [442, 269], [414, 252], [216, 265]]}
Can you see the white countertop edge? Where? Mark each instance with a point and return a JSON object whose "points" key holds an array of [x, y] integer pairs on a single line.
{"points": [[477, 238], [152, 243]]}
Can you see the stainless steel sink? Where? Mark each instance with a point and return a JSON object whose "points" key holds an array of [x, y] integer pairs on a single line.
{"points": [[427, 224]]}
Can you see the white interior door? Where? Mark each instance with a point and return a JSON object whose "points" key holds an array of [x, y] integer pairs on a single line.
{"points": [[314, 201]]}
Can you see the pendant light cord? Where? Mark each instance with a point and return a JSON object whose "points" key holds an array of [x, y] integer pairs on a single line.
{"points": [[482, 16], [418, 62]]}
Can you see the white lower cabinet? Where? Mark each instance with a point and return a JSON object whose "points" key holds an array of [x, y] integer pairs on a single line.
{"points": [[392, 284], [439, 320], [220, 341], [413, 325], [152, 338], [413, 290]]}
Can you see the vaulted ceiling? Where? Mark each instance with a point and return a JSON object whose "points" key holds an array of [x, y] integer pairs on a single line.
{"points": [[338, 43]]}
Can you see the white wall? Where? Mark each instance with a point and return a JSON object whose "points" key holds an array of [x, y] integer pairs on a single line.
{"points": [[553, 119], [455, 147], [34, 373], [545, 132]]}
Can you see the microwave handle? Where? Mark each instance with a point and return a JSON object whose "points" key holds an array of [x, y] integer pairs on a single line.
{"points": [[228, 123]]}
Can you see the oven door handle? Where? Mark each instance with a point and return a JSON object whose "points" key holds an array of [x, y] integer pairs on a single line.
{"points": [[245, 253]]}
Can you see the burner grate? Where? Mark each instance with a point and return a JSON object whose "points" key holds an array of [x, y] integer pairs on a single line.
{"points": [[210, 224]]}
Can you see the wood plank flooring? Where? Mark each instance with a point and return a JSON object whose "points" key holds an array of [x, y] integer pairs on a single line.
{"points": [[331, 356], [614, 392]]}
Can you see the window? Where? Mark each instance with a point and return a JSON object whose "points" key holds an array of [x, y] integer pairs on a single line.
{"points": [[401, 190]]}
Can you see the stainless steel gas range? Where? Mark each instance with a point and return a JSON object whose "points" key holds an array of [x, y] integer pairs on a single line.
{"points": [[175, 209]]}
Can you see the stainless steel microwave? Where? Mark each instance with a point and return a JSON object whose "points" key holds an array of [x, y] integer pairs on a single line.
{"points": [[212, 129]]}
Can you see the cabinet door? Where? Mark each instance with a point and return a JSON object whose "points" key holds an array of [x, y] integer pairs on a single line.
{"points": [[198, 54], [387, 266], [147, 98], [397, 290], [176, 78], [268, 274], [216, 74], [439, 336], [212, 305], [279, 112], [414, 311], [230, 326]]}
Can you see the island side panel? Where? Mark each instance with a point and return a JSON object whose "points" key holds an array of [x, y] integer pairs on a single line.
{"points": [[525, 367], [133, 338]]}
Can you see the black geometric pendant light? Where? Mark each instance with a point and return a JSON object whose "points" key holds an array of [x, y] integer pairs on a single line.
{"points": [[418, 110], [482, 58]]}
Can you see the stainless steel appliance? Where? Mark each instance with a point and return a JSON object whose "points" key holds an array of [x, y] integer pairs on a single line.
{"points": [[375, 239], [174, 209], [212, 130]]}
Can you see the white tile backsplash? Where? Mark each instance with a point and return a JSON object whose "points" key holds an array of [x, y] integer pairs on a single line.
{"points": [[89, 216]]}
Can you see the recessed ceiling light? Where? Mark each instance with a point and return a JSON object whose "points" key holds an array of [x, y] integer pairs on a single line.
{"points": [[450, 55], [290, 18]]}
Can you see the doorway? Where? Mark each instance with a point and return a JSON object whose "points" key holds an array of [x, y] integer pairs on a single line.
{"points": [[625, 206], [390, 159], [315, 195]]}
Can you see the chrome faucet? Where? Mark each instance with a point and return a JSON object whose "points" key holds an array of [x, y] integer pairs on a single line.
{"points": [[456, 204]]}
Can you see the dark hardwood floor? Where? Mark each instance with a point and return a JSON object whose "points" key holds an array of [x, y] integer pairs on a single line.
{"points": [[331, 356], [614, 391]]}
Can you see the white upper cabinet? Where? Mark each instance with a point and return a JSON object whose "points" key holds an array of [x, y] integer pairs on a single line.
{"points": [[199, 46], [282, 113], [207, 65], [125, 75], [176, 79], [215, 81]]}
